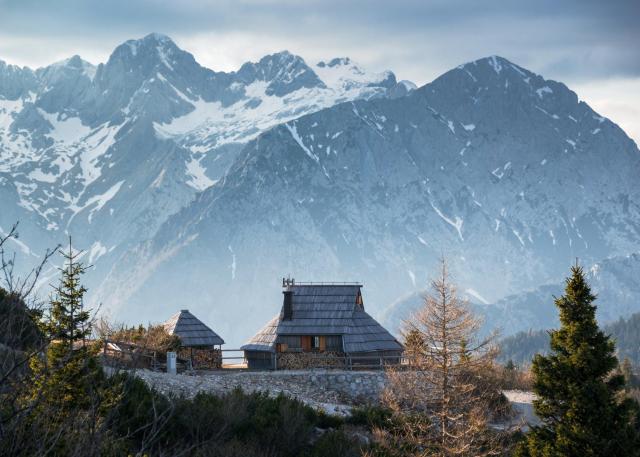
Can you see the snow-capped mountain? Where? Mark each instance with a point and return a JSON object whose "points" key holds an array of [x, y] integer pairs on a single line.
{"points": [[106, 153], [507, 174]]}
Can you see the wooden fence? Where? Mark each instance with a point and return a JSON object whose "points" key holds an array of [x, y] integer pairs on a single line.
{"points": [[131, 356], [333, 360], [126, 355], [233, 362]]}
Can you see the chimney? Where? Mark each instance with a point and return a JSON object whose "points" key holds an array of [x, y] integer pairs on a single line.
{"points": [[287, 309]]}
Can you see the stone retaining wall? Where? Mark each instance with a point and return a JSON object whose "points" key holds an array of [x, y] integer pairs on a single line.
{"points": [[334, 391], [321, 386]]}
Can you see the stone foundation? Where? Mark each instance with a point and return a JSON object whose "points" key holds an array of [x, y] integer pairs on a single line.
{"points": [[321, 386]]}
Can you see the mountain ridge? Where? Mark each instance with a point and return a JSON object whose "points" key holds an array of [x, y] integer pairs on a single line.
{"points": [[471, 165], [187, 184], [107, 152]]}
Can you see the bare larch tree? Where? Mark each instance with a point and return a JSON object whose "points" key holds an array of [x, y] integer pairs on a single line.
{"points": [[444, 396]]}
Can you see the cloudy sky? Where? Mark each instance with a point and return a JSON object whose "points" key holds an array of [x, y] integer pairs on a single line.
{"points": [[591, 45]]}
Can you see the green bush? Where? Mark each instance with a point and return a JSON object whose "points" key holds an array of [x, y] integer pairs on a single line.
{"points": [[371, 416], [336, 444], [216, 425], [138, 408], [18, 323], [135, 419], [324, 420]]}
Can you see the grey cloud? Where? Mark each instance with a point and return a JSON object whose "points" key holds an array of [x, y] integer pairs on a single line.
{"points": [[577, 39]]}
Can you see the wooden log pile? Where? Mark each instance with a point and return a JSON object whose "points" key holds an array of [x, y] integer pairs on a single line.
{"points": [[202, 359], [305, 360]]}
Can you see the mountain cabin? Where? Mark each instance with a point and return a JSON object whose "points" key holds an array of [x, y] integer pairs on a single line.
{"points": [[322, 318]]}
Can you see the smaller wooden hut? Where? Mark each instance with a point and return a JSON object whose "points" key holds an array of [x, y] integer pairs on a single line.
{"points": [[200, 345]]}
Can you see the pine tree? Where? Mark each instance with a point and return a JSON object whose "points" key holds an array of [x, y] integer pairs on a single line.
{"points": [[510, 366], [579, 400], [414, 346], [67, 376]]}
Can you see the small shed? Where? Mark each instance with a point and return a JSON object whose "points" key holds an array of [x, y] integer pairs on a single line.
{"points": [[322, 318], [201, 346], [193, 333]]}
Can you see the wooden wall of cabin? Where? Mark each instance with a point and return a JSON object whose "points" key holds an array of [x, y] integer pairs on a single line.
{"points": [[333, 343], [259, 360], [289, 343], [309, 343]]}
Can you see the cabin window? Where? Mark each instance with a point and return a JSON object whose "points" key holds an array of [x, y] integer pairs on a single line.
{"points": [[319, 343], [282, 347]]}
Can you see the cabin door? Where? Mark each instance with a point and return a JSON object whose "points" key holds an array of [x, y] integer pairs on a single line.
{"points": [[306, 343]]}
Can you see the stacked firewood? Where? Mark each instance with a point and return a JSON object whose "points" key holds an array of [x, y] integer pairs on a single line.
{"points": [[202, 359], [306, 360]]}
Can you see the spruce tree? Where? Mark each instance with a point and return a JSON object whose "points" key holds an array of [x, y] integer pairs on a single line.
{"points": [[579, 402], [66, 377]]}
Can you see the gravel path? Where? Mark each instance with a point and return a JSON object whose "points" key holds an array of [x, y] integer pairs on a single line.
{"points": [[522, 404]]}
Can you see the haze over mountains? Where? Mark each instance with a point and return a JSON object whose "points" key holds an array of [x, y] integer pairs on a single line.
{"points": [[199, 189], [107, 153], [614, 281]]}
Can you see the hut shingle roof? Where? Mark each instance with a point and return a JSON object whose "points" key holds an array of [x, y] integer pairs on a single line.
{"points": [[327, 310], [191, 330]]}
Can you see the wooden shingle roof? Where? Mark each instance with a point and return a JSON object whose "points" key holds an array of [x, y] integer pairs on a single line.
{"points": [[191, 330], [327, 310]]}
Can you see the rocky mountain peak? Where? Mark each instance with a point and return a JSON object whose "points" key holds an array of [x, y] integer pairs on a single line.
{"points": [[15, 81], [284, 72], [154, 52], [71, 67], [344, 73], [495, 73]]}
